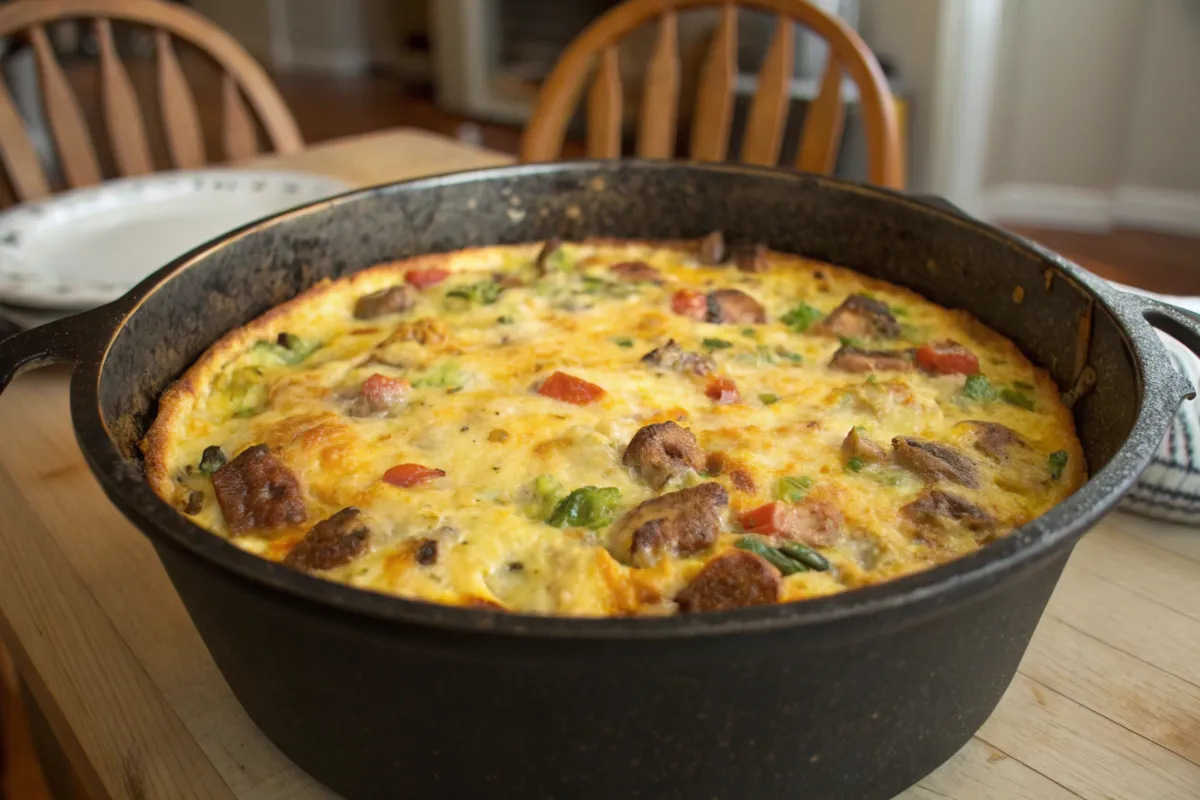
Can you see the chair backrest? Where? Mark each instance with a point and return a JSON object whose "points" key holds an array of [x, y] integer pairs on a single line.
{"points": [[595, 52], [241, 79]]}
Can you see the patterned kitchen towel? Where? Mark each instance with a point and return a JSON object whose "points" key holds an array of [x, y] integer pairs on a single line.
{"points": [[1169, 489]]}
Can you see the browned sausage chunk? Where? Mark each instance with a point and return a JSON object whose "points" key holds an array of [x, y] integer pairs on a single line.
{"points": [[711, 251], [861, 317], [663, 451], [636, 272], [194, 503], [935, 462], [678, 523], [859, 445], [331, 543], [256, 491], [543, 256], [734, 306], [391, 300], [673, 357], [994, 440], [935, 508], [736, 579], [852, 359], [427, 552], [752, 258], [507, 280], [813, 522]]}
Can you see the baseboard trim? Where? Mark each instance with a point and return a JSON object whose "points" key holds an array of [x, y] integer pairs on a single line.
{"points": [[1161, 209], [1046, 205], [343, 63]]}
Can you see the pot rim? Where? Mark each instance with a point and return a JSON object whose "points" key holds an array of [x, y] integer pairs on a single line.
{"points": [[122, 480]]}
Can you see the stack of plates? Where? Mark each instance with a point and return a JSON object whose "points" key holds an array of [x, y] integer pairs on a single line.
{"points": [[89, 246]]}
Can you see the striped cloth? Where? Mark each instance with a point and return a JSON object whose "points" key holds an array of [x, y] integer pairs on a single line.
{"points": [[1169, 489]]}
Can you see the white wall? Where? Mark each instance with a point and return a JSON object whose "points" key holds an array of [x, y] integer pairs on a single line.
{"points": [[1097, 114], [340, 37], [249, 21], [906, 31], [1164, 123]]}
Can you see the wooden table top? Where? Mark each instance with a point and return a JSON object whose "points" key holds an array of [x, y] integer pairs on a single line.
{"points": [[1106, 703]]}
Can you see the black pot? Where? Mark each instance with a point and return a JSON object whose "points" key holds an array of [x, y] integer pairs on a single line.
{"points": [[852, 696]]}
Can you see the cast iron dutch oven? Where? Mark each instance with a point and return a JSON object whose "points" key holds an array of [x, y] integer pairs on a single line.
{"points": [[853, 696]]}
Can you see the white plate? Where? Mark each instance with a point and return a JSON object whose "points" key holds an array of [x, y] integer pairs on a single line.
{"points": [[88, 246]]}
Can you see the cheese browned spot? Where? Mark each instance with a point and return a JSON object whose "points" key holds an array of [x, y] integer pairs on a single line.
{"points": [[685, 416]]}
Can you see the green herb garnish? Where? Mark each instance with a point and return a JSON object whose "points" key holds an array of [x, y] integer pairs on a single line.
{"points": [[768, 399], [765, 354], [586, 507], [785, 564], [1023, 386], [750, 333], [715, 344], [805, 555], [507, 319], [856, 464], [213, 458], [1015, 398], [484, 292], [546, 492], [849, 341], [801, 318], [623, 341], [1057, 462], [788, 355], [898, 311], [558, 260], [979, 388], [888, 476], [289, 348], [872, 379], [446, 375], [247, 392], [793, 489]]}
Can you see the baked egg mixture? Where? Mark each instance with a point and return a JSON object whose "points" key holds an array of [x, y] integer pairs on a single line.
{"points": [[612, 428]]}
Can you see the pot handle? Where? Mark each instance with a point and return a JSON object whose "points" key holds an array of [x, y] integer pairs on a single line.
{"points": [[1174, 321], [50, 343]]}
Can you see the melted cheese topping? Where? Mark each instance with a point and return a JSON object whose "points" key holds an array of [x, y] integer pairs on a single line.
{"points": [[475, 363]]}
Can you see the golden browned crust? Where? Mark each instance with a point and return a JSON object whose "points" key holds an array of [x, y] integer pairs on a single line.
{"points": [[177, 400]]}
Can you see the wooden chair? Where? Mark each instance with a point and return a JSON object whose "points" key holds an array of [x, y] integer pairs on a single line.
{"points": [[595, 52], [242, 79]]}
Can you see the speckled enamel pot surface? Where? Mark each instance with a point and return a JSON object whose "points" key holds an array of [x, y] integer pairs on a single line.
{"points": [[852, 696]]}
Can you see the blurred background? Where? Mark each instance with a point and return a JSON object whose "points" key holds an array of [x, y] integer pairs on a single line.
{"points": [[1075, 121], [1075, 114]]}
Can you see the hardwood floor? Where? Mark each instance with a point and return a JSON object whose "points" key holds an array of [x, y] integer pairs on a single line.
{"points": [[20, 775], [328, 108], [1160, 262]]}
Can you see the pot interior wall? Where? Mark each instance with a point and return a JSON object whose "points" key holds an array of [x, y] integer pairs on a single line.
{"points": [[951, 260]]}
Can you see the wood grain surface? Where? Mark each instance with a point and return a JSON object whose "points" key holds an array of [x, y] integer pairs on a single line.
{"points": [[1106, 705]]}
